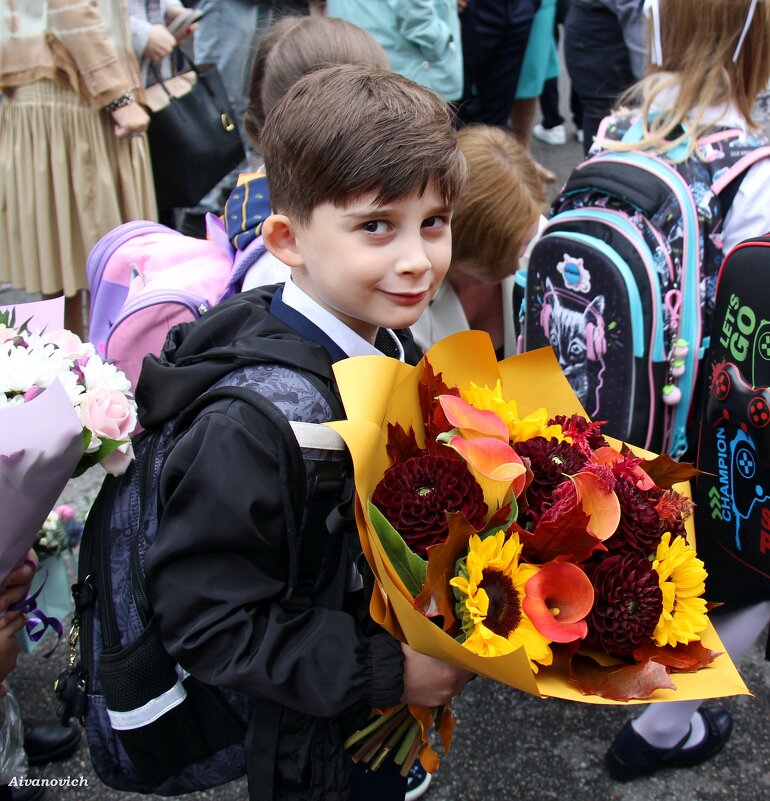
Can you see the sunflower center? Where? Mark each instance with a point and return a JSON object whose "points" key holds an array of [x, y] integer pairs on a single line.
{"points": [[504, 613]]}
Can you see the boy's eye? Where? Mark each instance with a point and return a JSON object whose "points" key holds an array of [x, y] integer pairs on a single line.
{"points": [[436, 221], [375, 227]]}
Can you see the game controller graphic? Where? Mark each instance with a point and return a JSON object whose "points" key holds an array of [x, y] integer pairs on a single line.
{"points": [[761, 355], [734, 401]]}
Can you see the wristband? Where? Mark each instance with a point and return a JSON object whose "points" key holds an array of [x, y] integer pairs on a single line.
{"points": [[124, 100]]}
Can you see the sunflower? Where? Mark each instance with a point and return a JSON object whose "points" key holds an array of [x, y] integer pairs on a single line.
{"points": [[489, 591], [682, 581], [519, 428]]}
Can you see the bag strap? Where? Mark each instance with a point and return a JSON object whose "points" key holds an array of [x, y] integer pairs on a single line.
{"points": [[300, 504], [190, 63], [291, 467]]}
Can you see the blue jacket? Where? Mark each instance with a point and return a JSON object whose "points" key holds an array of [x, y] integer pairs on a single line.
{"points": [[420, 37]]}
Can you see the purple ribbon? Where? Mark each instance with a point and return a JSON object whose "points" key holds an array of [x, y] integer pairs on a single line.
{"points": [[29, 605]]}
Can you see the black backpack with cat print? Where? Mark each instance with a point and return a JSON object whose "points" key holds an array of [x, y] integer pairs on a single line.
{"points": [[621, 282]]}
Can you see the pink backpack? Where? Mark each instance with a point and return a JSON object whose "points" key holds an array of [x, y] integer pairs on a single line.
{"points": [[145, 278]]}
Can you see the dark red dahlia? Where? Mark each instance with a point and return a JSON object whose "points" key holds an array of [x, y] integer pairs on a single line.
{"points": [[550, 461], [416, 494], [640, 527], [628, 604]]}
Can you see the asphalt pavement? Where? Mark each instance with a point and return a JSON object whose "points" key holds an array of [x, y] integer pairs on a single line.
{"points": [[507, 745]]}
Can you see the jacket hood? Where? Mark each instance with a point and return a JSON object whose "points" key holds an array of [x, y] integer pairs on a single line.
{"points": [[239, 332]]}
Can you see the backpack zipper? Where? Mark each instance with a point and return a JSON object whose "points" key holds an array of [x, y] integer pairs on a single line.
{"points": [[138, 581], [102, 251]]}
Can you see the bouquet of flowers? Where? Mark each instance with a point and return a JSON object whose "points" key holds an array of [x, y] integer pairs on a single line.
{"points": [[99, 392], [61, 531], [515, 540], [62, 410]]}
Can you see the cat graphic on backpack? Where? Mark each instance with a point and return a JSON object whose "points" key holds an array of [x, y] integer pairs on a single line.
{"points": [[578, 339], [647, 231]]}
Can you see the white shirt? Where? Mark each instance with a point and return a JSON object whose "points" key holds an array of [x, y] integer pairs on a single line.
{"points": [[342, 335]]}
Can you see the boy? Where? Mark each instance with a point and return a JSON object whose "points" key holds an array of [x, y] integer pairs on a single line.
{"points": [[363, 171]]}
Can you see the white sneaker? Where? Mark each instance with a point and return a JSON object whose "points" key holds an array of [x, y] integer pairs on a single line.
{"points": [[417, 782], [579, 135], [551, 136]]}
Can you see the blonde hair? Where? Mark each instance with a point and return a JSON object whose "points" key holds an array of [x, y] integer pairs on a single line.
{"points": [[294, 46], [502, 201], [699, 38]]}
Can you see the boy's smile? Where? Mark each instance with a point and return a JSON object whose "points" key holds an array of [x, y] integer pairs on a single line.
{"points": [[371, 266]]}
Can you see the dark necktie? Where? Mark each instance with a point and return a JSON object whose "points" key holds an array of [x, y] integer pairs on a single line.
{"points": [[385, 343]]}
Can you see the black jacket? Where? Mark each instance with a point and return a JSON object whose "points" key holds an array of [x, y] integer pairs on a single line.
{"points": [[218, 567]]}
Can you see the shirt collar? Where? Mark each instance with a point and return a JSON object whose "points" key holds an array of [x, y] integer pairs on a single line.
{"points": [[344, 336]]}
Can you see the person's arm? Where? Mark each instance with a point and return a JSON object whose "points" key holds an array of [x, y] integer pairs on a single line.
{"points": [[14, 589], [419, 24], [217, 572], [631, 21], [79, 29], [140, 28]]}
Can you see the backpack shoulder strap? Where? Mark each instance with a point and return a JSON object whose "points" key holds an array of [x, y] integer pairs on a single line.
{"points": [[291, 466]]}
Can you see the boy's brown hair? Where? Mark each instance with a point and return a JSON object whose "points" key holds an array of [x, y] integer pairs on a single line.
{"points": [[502, 201], [346, 131], [294, 46]]}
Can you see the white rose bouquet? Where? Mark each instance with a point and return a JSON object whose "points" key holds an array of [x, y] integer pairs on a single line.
{"points": [[100, 393]]}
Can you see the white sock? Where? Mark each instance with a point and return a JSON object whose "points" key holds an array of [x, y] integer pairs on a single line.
{"points": [[663, 725]]}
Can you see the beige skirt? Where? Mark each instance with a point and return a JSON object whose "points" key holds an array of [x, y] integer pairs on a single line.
{"points": [[65, 181]]}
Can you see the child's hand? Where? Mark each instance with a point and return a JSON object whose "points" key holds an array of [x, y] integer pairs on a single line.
{"points": [[430, 682], [9, 647], [159, 43], [17, 582]]}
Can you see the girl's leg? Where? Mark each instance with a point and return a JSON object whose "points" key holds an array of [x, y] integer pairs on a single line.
{"points": [[664, 725]]}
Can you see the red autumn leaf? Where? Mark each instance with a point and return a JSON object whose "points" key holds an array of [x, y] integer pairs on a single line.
{"points": [[665, 472], [437, 597], [402, 446], [684, 658], [618, 682], [566, 539], [435, 421]]}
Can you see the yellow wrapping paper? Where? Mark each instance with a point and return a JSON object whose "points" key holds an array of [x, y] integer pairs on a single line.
{"points": [[377, 390]]}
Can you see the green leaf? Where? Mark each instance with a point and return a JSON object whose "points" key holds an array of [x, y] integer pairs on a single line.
{"points": [[411, 568]]}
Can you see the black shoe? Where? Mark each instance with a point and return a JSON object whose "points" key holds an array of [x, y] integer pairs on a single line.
{"points": [[48, 741], [27, 793], [631, 756]]}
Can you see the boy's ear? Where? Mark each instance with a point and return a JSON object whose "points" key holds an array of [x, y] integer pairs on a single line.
{"points": [[280, 239]]}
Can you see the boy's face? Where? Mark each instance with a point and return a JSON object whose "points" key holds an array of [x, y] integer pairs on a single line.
{"points": [[374, 266]]}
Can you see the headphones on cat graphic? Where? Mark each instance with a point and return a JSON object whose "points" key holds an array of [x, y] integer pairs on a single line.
{"points": [[596, 341]]}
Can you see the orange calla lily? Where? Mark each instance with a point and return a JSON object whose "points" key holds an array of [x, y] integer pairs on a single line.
{"points": [[495, 465], [490, 457], [600, 504], [557, 599], [473, 422]]}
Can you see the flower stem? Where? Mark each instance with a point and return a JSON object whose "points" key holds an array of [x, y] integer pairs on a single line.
{"points": [[371, 746], [406, 743], [371, 727], [390, 744], [411, 755]]}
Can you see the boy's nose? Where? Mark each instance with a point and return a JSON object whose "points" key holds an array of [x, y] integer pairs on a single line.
{"points": [[413, 259]]}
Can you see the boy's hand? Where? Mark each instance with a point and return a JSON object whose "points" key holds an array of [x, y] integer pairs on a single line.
{"points": [[159, 43], [17, 582], [430, 682]]}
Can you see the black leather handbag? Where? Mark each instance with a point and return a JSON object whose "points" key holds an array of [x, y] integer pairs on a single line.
{"points": [[193, 137]]}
